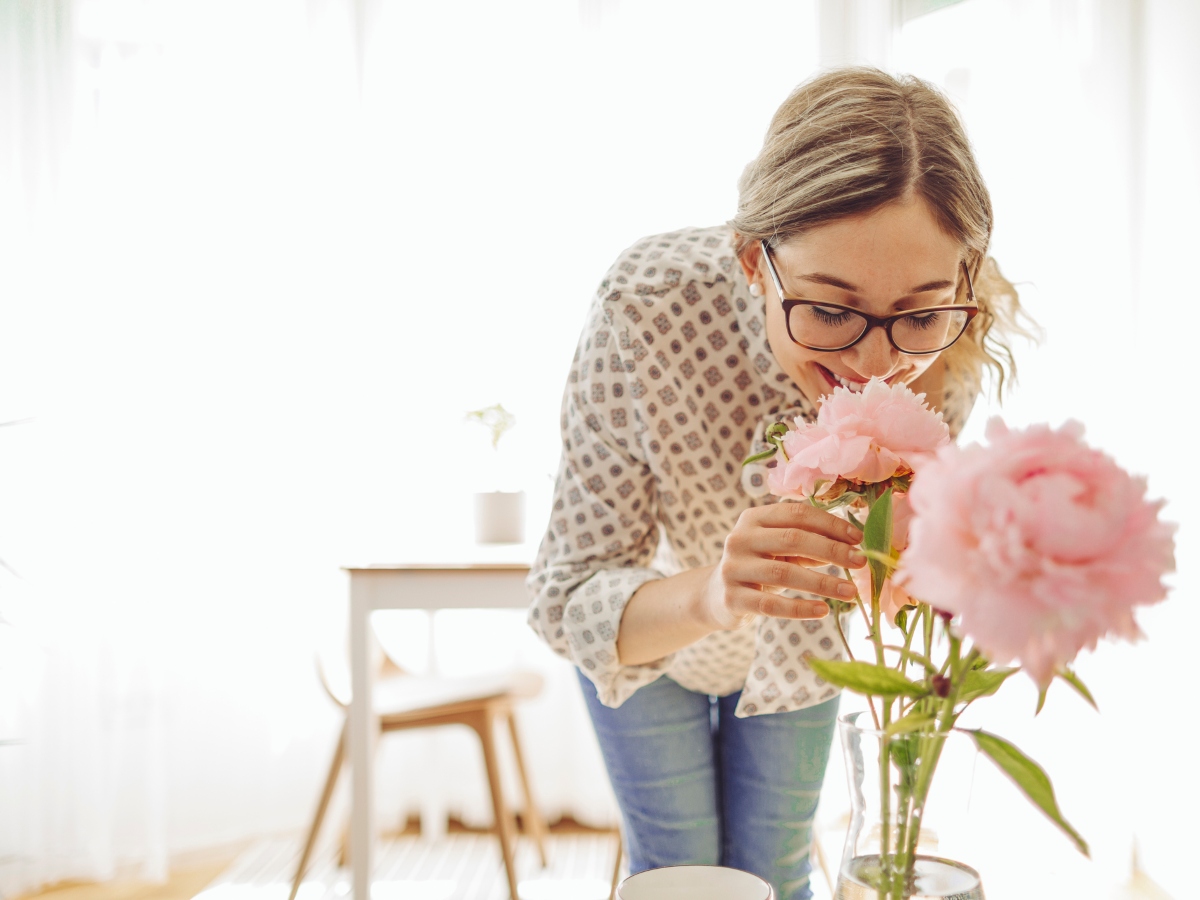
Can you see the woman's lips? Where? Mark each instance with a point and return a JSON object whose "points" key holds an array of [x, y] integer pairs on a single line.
{"points": [[850, 383], [833, 381]]}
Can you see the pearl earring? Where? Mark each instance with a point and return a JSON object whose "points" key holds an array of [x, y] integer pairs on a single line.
{"points": [[756, 290]]}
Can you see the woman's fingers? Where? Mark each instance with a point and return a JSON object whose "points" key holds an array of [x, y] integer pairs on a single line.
{"points": [[806, 533], [753, 602], [799, 544], [781, 546], [783, 573], [806, 518]]}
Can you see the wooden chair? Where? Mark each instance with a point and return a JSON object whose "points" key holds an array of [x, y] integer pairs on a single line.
{"points": [[405, 701], [616, 875]]}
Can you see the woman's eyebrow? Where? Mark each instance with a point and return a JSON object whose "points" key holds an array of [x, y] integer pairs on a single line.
{"points": [[821, 278]]}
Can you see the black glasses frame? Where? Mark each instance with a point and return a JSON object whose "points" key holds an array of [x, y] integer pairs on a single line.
{"points": [[884, 322]]}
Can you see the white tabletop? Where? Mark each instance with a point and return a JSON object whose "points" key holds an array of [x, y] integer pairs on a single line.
{"points": [[453, 555], [435, 586]]}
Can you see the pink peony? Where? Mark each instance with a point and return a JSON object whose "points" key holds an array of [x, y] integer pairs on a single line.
{"points": [[1039, 543], [862, 436]]}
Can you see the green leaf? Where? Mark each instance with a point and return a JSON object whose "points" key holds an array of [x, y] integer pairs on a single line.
{"points": [[866, 678], [912, 656], [983, 683], [877, 538], [886, 560], [1029, 777], [914, 721], [1073, 680], [854, 520], [757, 457], [839, 607], [773, 436]]}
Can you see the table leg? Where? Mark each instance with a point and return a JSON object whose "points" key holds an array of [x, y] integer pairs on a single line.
{"points": [[434, 814], [363, 733]]}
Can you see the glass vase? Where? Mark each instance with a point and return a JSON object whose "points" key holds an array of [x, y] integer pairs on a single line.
{"points": [[910, 798]]}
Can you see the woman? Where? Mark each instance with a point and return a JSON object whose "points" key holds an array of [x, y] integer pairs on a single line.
{"points": [[661, 573]]}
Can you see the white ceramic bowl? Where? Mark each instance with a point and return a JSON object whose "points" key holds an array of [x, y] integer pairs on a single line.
{"points": [[694, 883]]}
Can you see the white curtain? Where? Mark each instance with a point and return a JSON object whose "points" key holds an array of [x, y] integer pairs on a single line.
{"points": [[1086, 120], [36, 67], [251, 323], [248, 335], [81, 767]]}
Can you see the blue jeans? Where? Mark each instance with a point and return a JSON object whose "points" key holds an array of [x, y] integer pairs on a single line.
{"points": [[698, 786]]}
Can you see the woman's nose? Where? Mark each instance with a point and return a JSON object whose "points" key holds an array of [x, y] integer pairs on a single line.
{"points": [[875, 357]]}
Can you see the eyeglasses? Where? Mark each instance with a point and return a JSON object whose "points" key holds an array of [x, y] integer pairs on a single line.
{"points": [[818, 325]]}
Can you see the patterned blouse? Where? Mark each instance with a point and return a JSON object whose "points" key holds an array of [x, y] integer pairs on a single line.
{"points": [[672, 386]]}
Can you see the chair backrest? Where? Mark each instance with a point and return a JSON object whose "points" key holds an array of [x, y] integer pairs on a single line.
{"points": [[333, 670], [334, 679]]}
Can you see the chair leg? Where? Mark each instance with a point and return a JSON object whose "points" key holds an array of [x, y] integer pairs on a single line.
{"points": [[532, 816], [335, 770], [343, 858], [616, 879], [485, 727]]}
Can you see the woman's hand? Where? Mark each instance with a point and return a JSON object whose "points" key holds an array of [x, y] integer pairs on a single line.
{"points": [[774, 547], [770, 548]]}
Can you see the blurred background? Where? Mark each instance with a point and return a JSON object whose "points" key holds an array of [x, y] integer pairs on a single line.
{"points": [[258, 258]]}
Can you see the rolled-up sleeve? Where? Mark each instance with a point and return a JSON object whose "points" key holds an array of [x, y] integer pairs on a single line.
{"points": [[603, 529]]}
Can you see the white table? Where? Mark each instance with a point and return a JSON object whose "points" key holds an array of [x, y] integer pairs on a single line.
{"points": [[491, 578]]}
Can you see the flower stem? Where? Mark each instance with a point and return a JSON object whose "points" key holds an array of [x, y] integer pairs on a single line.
{"points": [[931, 746], [837, 621], [858, 601], [906, 828], [885, 799], [904, 659]]}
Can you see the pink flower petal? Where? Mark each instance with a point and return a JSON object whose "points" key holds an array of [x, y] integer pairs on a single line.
{"points": [[866, 436], [1041, 544]]}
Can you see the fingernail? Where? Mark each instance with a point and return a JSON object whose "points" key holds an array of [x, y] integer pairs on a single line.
{"points": [[854, 533], [846, 590], [858, 557]]}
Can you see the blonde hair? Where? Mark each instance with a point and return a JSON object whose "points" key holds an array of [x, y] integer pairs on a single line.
{"points": [[850, 141]]}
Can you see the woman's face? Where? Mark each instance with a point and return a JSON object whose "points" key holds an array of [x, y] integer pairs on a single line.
{"points": [[893, 259]]}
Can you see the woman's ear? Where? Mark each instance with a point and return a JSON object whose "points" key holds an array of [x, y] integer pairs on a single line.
{"points": [[749, 259]]}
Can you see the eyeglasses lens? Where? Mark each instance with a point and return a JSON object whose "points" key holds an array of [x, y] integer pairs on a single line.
{"points": [[829, 328]]}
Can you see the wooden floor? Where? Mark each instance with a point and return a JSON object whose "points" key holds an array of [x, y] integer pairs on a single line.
{"points": [[460, 866], [185, 883]]}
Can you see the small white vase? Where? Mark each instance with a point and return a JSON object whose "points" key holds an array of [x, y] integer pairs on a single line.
{"points": [[500, 517], [694, 883]]}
